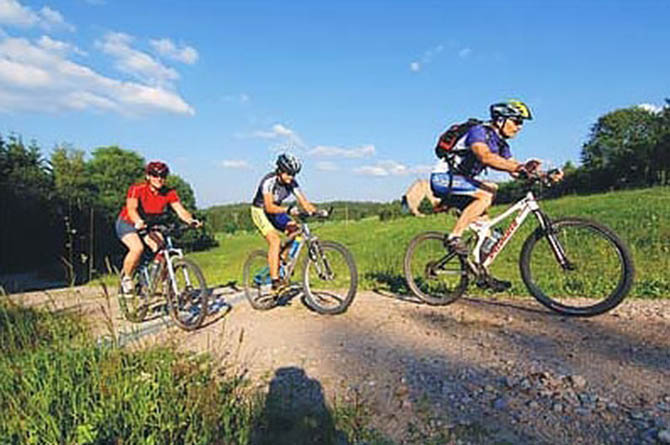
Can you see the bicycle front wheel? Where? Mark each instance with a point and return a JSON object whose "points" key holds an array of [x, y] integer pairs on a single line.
{"points": [[188, 306], [329, 277], [433, 274], [257, 282], [598, 274]]}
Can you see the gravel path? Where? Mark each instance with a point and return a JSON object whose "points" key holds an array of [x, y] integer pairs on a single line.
{"points": [[499, 370]]}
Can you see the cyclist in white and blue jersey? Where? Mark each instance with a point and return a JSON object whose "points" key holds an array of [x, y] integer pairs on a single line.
{"points": [[268, 214]]}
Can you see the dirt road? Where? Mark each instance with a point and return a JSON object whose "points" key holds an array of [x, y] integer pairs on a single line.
{"points": [[503, 369]]}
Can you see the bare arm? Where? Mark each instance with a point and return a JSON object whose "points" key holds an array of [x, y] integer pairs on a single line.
{"points": [[132, 205], [304, 202], [490, 159], [270, 206], [182, 213]]}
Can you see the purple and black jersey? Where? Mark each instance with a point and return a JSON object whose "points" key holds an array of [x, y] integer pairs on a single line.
{"points": [[466, 160]]}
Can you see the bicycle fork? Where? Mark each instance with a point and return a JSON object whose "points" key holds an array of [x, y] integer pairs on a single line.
{"points": [[321, 265], [550, 233]]}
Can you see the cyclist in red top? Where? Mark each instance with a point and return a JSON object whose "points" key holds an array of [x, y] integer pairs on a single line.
{"points": [[143, 201]]}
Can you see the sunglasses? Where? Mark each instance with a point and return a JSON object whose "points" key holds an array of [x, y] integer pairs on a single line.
{"points": [[517, 121], [162, 175]]}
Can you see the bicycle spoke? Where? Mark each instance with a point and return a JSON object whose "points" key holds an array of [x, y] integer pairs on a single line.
{"points": [[433, 275], [330, 278], [189, 303], [596, 274]]}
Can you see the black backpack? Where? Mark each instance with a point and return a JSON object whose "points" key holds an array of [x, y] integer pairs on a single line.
{"points": [[448, 139]]}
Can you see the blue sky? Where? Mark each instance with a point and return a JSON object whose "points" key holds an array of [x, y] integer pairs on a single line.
{"points": [[359, 89]]}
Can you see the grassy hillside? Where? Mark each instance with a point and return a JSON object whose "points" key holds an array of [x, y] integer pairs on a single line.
{"points": [[640, 217]]}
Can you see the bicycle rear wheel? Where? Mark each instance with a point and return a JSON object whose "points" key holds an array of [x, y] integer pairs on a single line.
{"points": [[433, 274], [188, 306], [598, 276], [257, 282], [330, 278], [135, 305]]}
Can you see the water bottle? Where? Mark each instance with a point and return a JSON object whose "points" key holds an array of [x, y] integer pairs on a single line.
{"points": [[490, 241], [294, 248]]}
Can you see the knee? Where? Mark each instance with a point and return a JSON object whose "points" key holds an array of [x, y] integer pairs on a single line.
{"points": [[486, 198], [136, 249], [273, 239]]}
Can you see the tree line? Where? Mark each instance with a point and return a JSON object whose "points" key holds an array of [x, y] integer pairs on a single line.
{"points": [[60, 211], [230, 218]]}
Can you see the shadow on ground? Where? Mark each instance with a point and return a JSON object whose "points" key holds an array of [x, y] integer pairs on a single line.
{"points": [[295, 413]]}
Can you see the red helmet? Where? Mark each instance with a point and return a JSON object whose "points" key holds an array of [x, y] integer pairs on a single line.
{"points": [[157, 168]]}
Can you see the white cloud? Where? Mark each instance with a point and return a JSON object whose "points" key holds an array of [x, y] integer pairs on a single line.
{"points": [[371, 170], [134, 62], [426, 58], [242, 98], [167, 48], [233, 163], [465, 52], [430, 54], [52, 19], [391, 168], [40, 77], [287, 137], [655, 109], [360, 152], [327, 166], [52, 45], [14, 13]]}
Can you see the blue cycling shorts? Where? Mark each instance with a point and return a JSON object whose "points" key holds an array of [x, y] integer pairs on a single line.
{"points": [[278, 220], [446, 184]]}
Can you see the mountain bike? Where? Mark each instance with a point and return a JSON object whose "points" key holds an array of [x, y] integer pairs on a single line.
{"points": [[329, 275], [573, 266], [166, 275]]}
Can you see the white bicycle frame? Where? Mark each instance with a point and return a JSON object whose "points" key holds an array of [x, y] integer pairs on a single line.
{"points": [[523, 207], [169, 253]]}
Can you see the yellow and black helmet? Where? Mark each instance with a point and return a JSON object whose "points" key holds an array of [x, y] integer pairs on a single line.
{"points": [[510, 109]]}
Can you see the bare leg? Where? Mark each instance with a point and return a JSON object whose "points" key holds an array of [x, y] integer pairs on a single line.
{"points": [[482, 201], [274, 242], [135, 248]]}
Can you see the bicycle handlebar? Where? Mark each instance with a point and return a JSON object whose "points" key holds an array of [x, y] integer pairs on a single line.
{"points": [[543, 178], [172, 229], [303, 216]]}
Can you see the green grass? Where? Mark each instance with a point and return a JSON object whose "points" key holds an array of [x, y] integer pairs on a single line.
{"points": [[59, 386], [640, 217]]}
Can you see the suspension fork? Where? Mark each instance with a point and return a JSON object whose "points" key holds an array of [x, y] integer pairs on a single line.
{"points": [[320, 261], [550, 233], [172, 279]]}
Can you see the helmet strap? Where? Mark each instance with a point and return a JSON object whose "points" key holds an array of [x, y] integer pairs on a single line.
{"points": [[500, 124]]}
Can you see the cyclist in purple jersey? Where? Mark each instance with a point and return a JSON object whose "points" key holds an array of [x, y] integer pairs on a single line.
{"points": [[482, 146]]}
